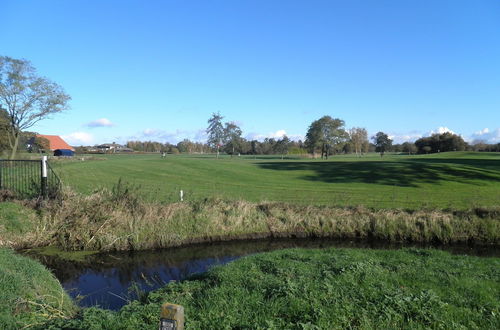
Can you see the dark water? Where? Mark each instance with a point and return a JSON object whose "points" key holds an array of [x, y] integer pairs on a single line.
{"points": [[111, 280]]}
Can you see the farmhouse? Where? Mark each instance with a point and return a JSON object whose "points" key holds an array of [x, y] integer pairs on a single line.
{"points": [[56, 145], [112, 147]]}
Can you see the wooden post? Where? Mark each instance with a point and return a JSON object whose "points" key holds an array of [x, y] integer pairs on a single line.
{"points": [[172, 317]]}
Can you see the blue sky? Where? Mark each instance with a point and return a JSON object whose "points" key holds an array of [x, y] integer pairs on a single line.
{"points": [[158, 69]]}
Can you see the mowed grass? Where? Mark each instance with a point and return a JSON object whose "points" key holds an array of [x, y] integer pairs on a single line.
{"points": [[455, 180]]}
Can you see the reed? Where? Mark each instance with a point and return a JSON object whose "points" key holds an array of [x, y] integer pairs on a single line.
{"points": [[119, 219]]}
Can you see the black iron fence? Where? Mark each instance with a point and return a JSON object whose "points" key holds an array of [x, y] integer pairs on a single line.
{"points": [[29, 178]]}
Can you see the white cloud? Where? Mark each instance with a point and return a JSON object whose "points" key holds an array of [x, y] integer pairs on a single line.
{"points": [[201, 136], [441, 130], [102, 122], [486, 135], [483, 131], [274, 135], [78, 138], [162, 135], [150, 132], [415, 135], [405, 137]]}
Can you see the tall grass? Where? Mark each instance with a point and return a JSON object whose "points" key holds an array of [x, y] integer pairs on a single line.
{"points": [[119, 219]]}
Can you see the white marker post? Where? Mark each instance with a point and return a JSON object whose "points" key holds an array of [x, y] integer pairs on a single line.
{"points": [[181, 194], [44, 177]]}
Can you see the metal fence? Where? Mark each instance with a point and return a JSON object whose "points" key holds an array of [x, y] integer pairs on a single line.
{"points": [[29, 178]]}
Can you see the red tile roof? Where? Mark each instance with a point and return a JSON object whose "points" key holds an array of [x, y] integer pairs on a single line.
{"points": [[56, 142]]}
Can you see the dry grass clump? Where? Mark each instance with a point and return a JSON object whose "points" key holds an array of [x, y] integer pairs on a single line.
{"points": [[119, 219]]}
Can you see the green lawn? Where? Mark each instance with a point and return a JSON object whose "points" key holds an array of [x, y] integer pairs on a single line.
{"points": [[447, 180]]}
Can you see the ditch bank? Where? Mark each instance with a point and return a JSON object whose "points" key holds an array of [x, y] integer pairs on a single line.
{"points": [[119, 220], [113, 279]]}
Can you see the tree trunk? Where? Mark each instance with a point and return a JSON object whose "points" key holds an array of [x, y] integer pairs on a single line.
{"points": [[14, 147], [217, 152]]}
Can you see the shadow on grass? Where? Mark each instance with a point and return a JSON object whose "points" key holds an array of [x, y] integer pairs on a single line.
{"points": [[407, 173]]}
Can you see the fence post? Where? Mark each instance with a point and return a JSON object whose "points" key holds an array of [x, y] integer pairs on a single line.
{"points": [[1, 165], [44, 177], [172, 317]]}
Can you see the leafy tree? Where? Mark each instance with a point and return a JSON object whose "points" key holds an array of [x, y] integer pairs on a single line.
{"points": [[441, 143], [409, 148], [27, 97], [215, 132], [36, 143], [185, 146], [282, 145], [382, 143], [255, 147], [358, 137], [232, 138], [326, 133]]}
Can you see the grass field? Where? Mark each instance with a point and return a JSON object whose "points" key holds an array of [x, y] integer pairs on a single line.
{"points": [[324, 289], [453, 180]]}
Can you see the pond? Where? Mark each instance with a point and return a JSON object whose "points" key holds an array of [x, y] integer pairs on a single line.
{"points": [[111, 280]]}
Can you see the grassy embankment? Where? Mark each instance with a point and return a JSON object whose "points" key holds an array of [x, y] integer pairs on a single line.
{"points": [[455, 180], [29, 293], [324, 289], [121, 220], [451, 197]]}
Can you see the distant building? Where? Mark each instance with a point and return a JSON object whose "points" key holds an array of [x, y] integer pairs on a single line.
{"points": [[64, 152], [55, 142], [112, 147]]}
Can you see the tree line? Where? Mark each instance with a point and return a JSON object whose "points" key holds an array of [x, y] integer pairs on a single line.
{"points": [[26, 98]]}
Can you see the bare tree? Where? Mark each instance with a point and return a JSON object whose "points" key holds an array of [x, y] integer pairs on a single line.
{"points": [[27, 97]]}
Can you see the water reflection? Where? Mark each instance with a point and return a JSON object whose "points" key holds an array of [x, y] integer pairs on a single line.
{"points": [[111, 280]]}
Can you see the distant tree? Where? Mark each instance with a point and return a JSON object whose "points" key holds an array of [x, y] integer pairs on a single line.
{"points": [[481, 145], [326, 133], [268, 146], [282, 145], [37, 143], [382, 143], [409, 148], [441, 143], [232, 138], [358, 137], [185, 146], [27, 97], [215, 132], [397, 147], [255, 147]]}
